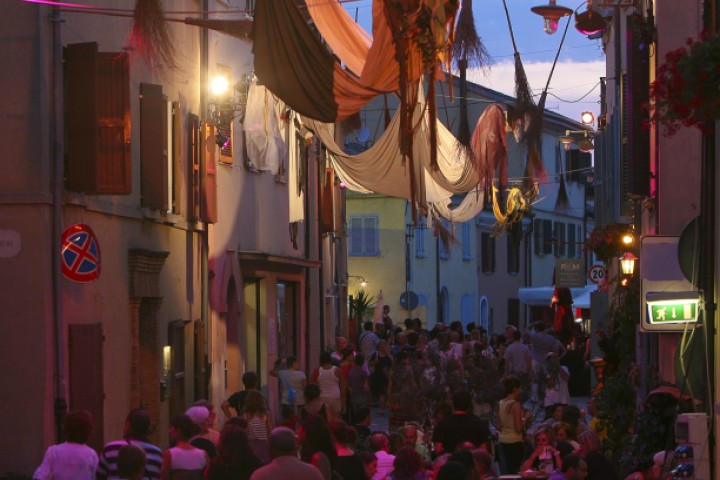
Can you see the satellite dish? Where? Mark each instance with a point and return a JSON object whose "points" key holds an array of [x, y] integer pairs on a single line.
{"points": [[409, 300], [363, 135]]}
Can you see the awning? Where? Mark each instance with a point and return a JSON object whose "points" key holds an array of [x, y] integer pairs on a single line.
{"points": [[541, 296]]}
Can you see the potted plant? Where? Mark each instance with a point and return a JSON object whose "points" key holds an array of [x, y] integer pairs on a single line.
{"points": [[606, 241], [686, 91]]}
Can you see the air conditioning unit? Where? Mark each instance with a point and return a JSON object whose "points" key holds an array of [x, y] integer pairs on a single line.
{"points": [[692, 429]]}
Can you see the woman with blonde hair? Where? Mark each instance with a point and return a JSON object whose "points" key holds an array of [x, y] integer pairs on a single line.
{"points": [[545, 456]]}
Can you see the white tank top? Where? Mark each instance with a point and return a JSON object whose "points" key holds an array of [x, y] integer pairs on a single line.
{"points": [[329, 384], [182, 459]]}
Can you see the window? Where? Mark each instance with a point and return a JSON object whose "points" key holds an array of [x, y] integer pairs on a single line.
{"points": [[559, 239], [543, 237], [97, 107], [364, 236], [513, 255], [578, 165], [420, 241], [572, 244], [202, 200], [466, 241], [487, 245]]}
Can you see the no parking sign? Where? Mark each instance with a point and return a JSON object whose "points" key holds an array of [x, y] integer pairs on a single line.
{"points": [[80, 254]]}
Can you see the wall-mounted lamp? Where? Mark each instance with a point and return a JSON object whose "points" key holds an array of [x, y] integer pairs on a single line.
{"points": [[359, 279], [166, 360], [627, 264], [587, 118], [551, 13], [584, 139], [225, 105], [589, 22]]}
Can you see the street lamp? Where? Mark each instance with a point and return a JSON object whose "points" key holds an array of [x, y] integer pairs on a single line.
{"points": [[627, 264], [584, 139], [551, 13]]}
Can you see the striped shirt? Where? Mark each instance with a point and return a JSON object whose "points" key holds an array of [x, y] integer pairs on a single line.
{"points": [[108, 459]]}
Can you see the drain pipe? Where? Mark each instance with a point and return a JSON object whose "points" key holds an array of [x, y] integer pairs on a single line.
{"points": [[60, 404]]}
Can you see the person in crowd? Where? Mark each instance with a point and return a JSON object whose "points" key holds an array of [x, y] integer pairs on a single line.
{"points": [[313, 404], [396, 442], [72, 459], [288, 417], [207, 430], [370, 464], [236, 459], [368, 340], [316, 445], [573, 468], [200, 416], [545, 456], [573, 416], [512, 421], [362, 428], [293, 382], [381, 331], [183, 461], [347, 463], [332, 383], [336, 356], [381, 363], [131, 463], [598, 466], [285, 463], [236, 401], [564, 433], [463, 457], [259, 424], [380, 445], [410, 437], [556, 413], [483, 464], [387, 319], [399, 345], [461, 426], [518, 360], [408, 466], [137, 426], [556, 385], [358, 384], [452, 470], [347, 361]]}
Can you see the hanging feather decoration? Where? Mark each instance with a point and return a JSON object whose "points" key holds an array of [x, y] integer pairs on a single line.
{"points": [[150, 38], [562, 204], [468, 50]]}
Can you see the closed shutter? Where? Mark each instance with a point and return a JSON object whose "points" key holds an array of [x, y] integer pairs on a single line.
{"points": [[176, 340], [513, 255], [97, 106], [513, 317], [538, 237], [153, 147], [177, 133], [559, 239], [85, 344], [487, 243], [208, 179], [356, 236], [371, 240], [327, 202], [547, 246], [193, 168], [201, 361], [636, 121]]}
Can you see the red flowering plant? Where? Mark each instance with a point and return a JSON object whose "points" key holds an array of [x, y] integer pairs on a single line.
{"points": [[606, 241], [686, 91]]}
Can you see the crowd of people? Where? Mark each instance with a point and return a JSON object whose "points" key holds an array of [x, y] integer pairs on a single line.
{"points": [[459, 405]]}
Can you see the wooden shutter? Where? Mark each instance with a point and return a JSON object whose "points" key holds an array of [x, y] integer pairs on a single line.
{"points": [[547, 247], [327, 202], [194, 168], [356, 236], [559, 239], [153, 147], [487, 243], [200, 386], [176, 340], [513, 255], [85, 344], [208, 177], [97, 104], [513, 316], [176, 158], [538, 237]]}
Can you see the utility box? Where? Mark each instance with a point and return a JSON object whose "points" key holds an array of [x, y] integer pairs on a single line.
{"points": [[692, 429]]}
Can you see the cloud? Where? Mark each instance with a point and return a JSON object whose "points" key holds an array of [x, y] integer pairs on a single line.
{"points": [[570, 82]]}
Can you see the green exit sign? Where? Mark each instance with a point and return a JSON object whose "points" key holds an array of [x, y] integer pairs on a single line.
{"points": [[676, 311]]}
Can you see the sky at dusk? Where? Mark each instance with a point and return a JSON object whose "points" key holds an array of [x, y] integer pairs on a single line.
{"points": [[577, 74]]}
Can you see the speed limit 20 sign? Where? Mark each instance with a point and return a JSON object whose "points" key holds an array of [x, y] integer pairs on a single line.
{"points": [[597, 273]]}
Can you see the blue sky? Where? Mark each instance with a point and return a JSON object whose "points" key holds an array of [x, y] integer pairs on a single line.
{"points": [[580, 66]]}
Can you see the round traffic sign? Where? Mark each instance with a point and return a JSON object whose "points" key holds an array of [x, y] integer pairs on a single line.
{"points": [[597, 273], [80, 254]]}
